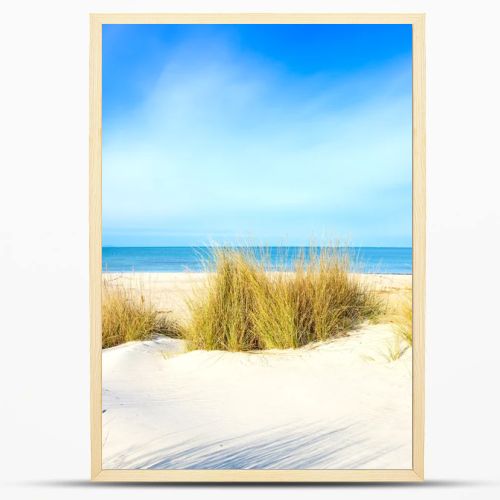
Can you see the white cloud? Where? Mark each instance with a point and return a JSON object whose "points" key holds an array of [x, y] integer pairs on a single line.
{"points": [[229, 145]]}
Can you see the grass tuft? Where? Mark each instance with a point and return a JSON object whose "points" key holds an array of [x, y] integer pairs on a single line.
{"points": [[400, 315], [404, 320], [127, 316], [248, 305]]}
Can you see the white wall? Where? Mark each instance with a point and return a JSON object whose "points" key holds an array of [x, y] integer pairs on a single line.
{"points": [[44, 441]]}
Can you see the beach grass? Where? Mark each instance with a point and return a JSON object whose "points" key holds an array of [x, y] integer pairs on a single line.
{"points": [[400, 315], [404, 319], [128, 316], [248, 305]]}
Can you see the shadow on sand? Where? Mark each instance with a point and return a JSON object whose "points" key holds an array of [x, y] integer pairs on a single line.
{"points": [[293, 447]]}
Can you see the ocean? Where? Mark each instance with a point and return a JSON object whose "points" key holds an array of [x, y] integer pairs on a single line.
{"points": [[384, 260]]}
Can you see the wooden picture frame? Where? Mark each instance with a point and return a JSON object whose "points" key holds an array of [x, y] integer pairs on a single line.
{"points": [[417, 471]]}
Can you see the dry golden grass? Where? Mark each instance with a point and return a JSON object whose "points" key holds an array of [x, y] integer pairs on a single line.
{"points": [[400, 315], [246, 307], [127, 316]]}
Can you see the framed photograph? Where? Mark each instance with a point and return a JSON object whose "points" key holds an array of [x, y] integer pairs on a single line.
{"points": [[257, 247]]}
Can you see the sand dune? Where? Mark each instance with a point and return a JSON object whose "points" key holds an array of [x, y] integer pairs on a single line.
{"points": [[337, 404]]}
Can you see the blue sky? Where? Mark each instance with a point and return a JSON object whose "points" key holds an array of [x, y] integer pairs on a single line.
{"points": [[261, 134]]}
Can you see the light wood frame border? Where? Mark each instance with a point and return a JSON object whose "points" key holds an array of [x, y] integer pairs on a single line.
{"points": [[417, 472]]}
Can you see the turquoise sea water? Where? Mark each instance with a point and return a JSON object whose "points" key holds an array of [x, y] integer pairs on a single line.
{"points": [[385, 260]]}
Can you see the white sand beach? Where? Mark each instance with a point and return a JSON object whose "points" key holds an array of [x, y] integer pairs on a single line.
{"points": [[341, 404]]}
